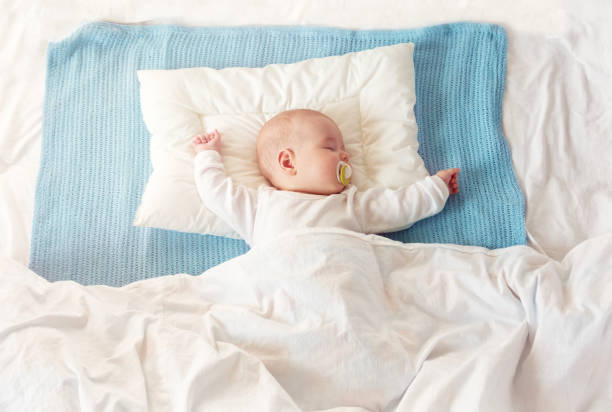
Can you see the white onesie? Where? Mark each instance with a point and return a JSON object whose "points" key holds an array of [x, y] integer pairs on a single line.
{"points": [[258, 215]]}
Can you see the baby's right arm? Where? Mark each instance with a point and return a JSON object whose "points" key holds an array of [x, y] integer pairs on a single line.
{"points": [[235, 204]]}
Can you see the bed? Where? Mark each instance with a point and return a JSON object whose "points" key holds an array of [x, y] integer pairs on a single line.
{"points": [[395, 326]]}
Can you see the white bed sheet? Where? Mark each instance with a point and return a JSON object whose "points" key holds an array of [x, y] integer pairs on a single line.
{"points": [[557, 111]]}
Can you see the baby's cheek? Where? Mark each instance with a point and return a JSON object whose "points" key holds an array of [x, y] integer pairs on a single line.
{"points": [[331, 176], [328, 171]]}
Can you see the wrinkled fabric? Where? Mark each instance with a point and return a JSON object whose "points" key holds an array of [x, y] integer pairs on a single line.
{"points": [[318, 320]]}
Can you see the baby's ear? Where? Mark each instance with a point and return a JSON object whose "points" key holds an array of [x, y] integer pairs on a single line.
{"points": [[286, 161]]}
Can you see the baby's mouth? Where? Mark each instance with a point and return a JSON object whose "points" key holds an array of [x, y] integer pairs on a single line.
{"points": [[344, 173]]}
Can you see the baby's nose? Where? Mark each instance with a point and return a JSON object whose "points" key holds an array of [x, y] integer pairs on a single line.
{"points": [[344, 156]]}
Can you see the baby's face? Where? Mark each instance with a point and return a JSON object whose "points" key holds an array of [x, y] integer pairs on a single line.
{"points": [[317, 156]]}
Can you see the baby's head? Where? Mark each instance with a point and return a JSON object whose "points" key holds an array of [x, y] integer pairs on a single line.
{"points": [[299, 150]]}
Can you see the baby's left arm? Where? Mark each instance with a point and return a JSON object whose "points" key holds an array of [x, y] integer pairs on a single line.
{"points": [[387, 210]]}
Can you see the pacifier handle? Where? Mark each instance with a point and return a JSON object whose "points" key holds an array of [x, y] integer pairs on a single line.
{"points": [[344, 173]]}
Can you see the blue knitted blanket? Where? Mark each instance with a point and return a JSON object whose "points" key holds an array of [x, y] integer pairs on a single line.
{"points": [[95, 149]]}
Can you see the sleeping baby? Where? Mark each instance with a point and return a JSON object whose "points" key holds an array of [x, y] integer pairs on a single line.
{"points": [[301, 153]]}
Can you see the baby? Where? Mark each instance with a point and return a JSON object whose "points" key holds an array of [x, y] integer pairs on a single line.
{"points": [[301, 153]]}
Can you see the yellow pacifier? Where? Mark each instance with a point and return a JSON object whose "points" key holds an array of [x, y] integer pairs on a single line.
{"points": [[344, 173]]}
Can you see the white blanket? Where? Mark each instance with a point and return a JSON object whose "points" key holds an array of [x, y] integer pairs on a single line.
{"points": [[320, 320]]}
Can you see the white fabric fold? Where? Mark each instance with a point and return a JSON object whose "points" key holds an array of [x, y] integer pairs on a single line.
{"points": [[320, 319]]}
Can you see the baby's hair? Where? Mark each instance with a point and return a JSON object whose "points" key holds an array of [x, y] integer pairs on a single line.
{"points": [[276, 134]]}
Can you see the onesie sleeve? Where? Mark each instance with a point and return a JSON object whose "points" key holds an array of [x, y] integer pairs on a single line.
{"points": [[388, 210], [234, 204]]}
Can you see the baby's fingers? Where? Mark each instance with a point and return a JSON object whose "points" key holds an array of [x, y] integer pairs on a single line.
{"points": [[213, 135], [454, 187]]}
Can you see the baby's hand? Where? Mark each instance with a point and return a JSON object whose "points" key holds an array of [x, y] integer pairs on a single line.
{"points": [[449, 176], [207, 141]]}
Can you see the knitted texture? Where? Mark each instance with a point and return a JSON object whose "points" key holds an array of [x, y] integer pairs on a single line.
{"points": [[95, 149]]}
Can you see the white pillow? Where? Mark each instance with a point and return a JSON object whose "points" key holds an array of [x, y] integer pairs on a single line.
{"points": [[370, 94]]}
